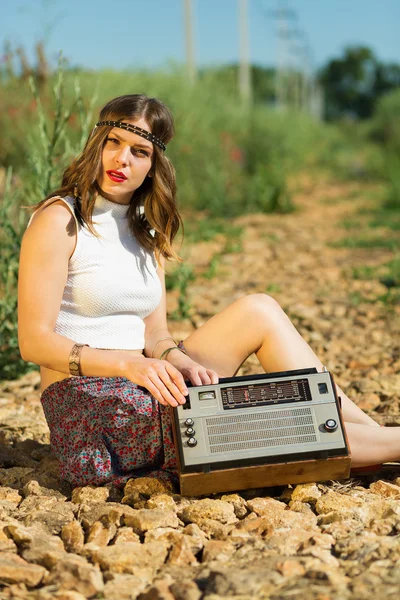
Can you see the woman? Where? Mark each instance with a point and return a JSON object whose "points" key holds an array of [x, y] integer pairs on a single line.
{"points": [[92, 311]]}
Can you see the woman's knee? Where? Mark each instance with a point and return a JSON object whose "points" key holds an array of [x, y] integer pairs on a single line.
{"points": [[260, 306]]}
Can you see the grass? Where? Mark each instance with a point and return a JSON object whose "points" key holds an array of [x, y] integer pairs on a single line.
{"points": [[389, 218], [368, 242], [180, 279], [273, 288], [229, 160], [387, 273], [203, 228], [385, 218]]}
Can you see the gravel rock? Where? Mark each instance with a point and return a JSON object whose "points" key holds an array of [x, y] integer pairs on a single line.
{"points": [[126, 587], [265, 506], [291, 567], [6, 543], [307, 492], [113, 511], [333, 501], [175, 538], [54, 520], [33, 488], [73, 537], [162, 502], [14, 569], [147, 486], [218, 550], [215, 529], [385, 489], [90, 495], [100, 535], [217, 510], [46, 551], [181, 552], [145, 519], [74, 573], [185, 590], [239, 504], [124, 535], [158, 591], [10, 495], [126, 558]]}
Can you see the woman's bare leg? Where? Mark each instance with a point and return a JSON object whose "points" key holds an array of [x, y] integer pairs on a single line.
{"points": [[256, 323], [373, 445]]}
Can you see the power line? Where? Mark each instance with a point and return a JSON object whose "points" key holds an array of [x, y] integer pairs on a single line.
{"points": [[295, 81]]}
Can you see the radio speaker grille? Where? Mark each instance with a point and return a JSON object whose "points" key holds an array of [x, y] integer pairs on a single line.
{"points": [[257, 425], [293, 413], [261, 443], [260, 430]]}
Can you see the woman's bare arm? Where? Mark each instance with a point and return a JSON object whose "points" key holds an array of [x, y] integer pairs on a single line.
{"points": [[46, 248]]}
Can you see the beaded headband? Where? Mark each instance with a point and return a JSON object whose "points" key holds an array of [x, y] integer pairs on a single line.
{"points": [[134, 129]]}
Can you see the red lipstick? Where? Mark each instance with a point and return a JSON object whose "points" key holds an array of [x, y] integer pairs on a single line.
{"points": [[116, 176]]}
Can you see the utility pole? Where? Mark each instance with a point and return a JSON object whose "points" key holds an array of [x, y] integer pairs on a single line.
{"points": [[244, 57], [282, 14], [306, 79], [280, 74], [189, 38]]}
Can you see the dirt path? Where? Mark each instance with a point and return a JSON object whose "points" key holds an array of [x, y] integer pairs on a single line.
{"points": [[325, 542], [292, 258]]}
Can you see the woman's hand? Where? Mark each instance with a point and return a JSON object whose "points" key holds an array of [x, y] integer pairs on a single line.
{"points": [[160, 377], [191, 370]]}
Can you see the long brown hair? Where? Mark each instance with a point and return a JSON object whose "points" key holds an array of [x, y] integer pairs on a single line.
{"points": [[157, 194]]}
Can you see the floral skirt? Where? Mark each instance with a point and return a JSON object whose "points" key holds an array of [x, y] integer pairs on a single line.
{"points": [[108, 429]]}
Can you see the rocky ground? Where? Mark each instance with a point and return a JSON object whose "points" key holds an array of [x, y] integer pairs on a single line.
{"points": [[337, 540]]}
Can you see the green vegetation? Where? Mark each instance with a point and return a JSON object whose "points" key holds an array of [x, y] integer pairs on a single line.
{"points": [[47, 147], [354, 82], [230, 160], [379, 232], [180, 279], [202, 228]]}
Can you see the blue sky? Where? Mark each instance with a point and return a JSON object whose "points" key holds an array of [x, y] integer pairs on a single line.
{"points": [[150, 33]]}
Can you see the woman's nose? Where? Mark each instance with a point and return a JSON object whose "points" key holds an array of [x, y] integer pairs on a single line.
{"points": [[123, 155]]}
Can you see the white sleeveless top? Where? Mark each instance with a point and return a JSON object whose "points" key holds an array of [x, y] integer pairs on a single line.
{"points": [[112, 283]]}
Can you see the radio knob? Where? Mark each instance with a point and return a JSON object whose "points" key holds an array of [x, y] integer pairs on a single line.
{"points": [[190, 431], [189, 422], [330, 425], [192, 442]]}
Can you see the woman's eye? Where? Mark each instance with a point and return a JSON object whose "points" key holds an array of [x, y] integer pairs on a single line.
{"points": [[110, 139], [140, 151]]}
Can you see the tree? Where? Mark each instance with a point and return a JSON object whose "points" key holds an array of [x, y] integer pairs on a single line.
{"points": [[354, 83]]}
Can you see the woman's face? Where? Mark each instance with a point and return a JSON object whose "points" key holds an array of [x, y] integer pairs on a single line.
{"points": [[126, 161]]}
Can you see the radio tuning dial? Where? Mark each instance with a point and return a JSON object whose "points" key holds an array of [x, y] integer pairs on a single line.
{"points": [[189, 422], [330, 425], [190, 431], [192, 442]]}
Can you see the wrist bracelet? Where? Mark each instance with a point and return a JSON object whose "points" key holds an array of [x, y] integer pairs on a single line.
{"points": [[75, 360], [168, 337], [167, 351]]}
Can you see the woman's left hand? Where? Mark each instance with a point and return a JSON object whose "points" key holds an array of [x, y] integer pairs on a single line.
{"points": [[191, 370]]}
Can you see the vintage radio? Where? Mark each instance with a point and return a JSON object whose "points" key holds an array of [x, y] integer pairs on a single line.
{"points": [[260, 431]]}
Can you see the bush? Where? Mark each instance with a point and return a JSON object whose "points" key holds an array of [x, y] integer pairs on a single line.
{"points": [[384, 127], [229, 159], [48, 150]]}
